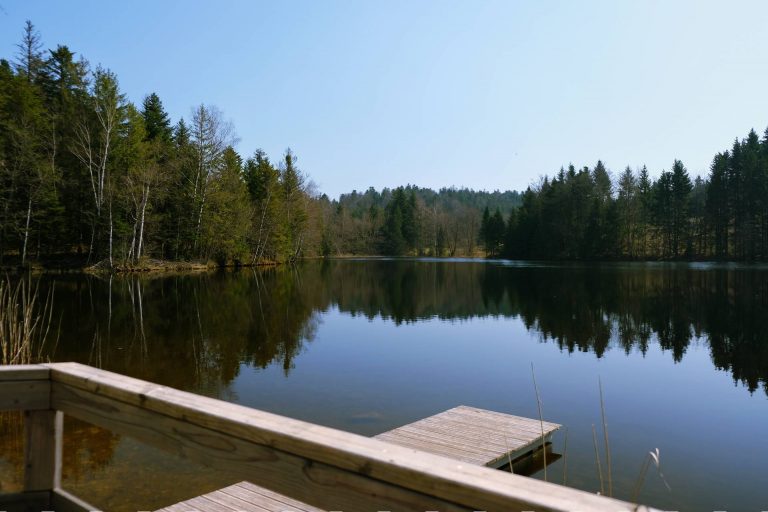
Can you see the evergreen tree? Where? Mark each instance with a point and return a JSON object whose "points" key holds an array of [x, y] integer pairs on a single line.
{"points": [[483, 235], [681, 187], [156, 119], [228, 216], [263, 183], [294, 205]]}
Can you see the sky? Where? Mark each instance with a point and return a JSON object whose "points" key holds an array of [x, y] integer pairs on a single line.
{"points": [[480, 94]]}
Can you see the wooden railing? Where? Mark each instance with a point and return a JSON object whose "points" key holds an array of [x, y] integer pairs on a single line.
{"points": [[327, 468]]}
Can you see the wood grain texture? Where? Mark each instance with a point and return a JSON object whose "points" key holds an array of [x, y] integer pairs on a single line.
{"points": [[25, 395], [241, 497], [324, 467], [9, 372], [42, 450], [304, 479], [472, 435]]}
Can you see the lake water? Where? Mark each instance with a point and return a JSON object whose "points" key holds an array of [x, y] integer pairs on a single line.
{"points": [[369, 345]]}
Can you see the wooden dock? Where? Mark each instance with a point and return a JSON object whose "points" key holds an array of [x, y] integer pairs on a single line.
{"points": [[467, 434], [476, 436], [297, 461], [241, 497]]}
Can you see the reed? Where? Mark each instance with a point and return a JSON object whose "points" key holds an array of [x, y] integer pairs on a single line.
{"points": [[509, 455], [25, 325], [597, 460], [565, 457], [605, 438], [25, 321], [541, 421], [655, 457]]}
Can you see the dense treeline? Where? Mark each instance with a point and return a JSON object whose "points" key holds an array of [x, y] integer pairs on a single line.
{"points": [[411, 220], [585, 214], [84, 171]]}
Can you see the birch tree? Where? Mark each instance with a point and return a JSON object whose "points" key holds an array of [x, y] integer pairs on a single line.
{"points": [[211, 135], [95, 135]]}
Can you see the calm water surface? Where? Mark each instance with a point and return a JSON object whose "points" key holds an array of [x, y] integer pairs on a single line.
{"points": [[368, 345]]}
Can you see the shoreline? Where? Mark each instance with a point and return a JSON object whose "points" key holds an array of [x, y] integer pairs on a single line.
{"points": [[157, 266]]}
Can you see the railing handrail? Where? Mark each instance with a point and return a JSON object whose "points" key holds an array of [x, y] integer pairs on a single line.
{"points": [[321, 466]]}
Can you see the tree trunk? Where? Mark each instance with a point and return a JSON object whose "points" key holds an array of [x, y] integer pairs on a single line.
{"points": [[26, 230], [110, 234], [141, 223]]}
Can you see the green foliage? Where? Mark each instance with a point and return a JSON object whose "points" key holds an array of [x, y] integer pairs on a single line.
{"points": [[85, 173], [156, 119], [228, 214]]}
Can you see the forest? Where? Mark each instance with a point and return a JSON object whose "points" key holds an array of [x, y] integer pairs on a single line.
{"points": [[87, 177]]}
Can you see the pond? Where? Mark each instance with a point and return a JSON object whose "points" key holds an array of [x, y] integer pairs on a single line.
{"points": [[367, 345]]}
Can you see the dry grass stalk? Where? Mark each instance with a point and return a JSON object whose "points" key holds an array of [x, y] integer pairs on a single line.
{"points": [[655, 457], [597, 460], [605, 437], [24, 323], [541, 421], [565, 458]]}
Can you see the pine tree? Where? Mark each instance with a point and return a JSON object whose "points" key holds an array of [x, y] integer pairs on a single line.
{"points": [[294, 205], [681, 187], [30, 55], [267, 237], [156, 119], [718, 213], [228, 216], [483, 236]]}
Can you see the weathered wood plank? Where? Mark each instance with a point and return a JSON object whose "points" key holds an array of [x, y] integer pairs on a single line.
{"points": [[272, 500], [472, 435], [318, 465], [472, 414], [242, 497], [42, 450], [9, 372], [291, 475], [25, 395], [63, 501], [493, 441]]}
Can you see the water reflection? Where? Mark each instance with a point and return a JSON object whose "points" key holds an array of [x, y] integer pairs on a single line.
{"points": [[194, 331], [199, 331]]}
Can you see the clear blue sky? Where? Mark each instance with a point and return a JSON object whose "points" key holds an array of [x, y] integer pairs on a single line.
{"points": [[488, 95]]}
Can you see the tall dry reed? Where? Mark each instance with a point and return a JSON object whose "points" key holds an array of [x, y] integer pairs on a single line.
{"points": [[25, 321]]}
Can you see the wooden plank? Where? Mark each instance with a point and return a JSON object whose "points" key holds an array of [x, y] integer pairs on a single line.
{"points": [[317, 465], [62, 501], [9, 372], [273, 500], [281, 472], [42, 450], [25, 501], [243, 505], [472, 435], [242, 497], [472, 414], [25, 395], [491, 440]]}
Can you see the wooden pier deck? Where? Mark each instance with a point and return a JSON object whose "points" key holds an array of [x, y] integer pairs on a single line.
{"points": [[466, 434], [241, 497], [476, 436], [298, 462]]}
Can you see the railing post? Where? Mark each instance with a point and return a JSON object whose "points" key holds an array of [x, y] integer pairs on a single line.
{"points": [[42, 450]]}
